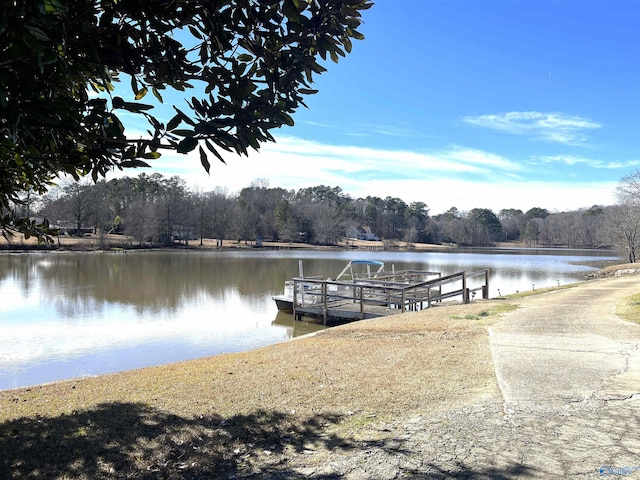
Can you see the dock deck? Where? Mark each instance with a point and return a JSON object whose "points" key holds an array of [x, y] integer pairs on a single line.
{"points": [[395, 293]]}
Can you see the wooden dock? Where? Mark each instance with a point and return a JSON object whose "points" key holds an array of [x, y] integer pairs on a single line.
{"points": [[387, 294]]}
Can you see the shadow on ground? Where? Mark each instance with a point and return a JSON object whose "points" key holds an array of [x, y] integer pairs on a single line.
{"points": [[132, 440]]}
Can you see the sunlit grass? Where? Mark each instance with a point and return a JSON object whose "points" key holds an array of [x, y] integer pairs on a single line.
{"points": [[629, 308], [492, 311], [538, 291]]}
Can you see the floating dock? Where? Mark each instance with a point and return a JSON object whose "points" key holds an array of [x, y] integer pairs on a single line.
{"points": [[388, 294]]}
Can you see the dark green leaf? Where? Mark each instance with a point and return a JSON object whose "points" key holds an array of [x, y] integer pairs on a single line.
{"points": [[184, 133], [36, 32], [213, 150], [291, 11], [187, 145], [195, 32], [134, 85], [174, 122], [301, 5], [204, 160], [136, 163], [184, 117], [136, 107]]}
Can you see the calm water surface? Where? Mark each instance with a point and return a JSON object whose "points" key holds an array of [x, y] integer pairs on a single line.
{"points": [[67, 315]]}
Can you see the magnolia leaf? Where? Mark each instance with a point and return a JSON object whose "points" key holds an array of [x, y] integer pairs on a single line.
{"points": [[213, 150], [195, 32], [136, 107], [141, 94], [184, 132], [36, 32], [204, 160], [174, 122], [135, 163], [187, 145], [156, 94]]}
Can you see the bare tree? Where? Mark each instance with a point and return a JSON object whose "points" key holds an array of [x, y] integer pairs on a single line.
{"points": [[629, 186], [78, 203], [624, 228], [223, 208], [623, 223]]}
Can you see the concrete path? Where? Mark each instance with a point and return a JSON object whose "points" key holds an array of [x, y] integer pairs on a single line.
{"points": [[568, 346], [569, 372]]}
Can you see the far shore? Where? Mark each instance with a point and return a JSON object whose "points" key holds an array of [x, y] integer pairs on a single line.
{"points": [[120, 242]]}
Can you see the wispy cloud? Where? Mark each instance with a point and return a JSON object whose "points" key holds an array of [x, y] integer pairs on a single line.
{"points": [[391, 130], [318, 124], [578, 160], [390, 163], [367, 130], [296, 163], [552, 127], [453, 176]]}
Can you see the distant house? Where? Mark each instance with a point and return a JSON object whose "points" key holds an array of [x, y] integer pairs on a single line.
{"points": [[181, 233], [364, 233]]}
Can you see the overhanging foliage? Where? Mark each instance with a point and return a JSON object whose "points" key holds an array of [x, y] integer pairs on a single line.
{"points": [[251, 61]]}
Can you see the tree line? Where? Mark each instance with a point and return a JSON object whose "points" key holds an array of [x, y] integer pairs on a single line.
{"points": [[155, 210]]}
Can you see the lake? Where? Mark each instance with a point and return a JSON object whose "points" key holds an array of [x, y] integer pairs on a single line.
{"points": [[67, 315]]}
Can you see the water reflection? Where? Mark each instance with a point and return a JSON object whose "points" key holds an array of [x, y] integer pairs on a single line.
{"points": [[65, 315], [296, 328], [150, 282]]}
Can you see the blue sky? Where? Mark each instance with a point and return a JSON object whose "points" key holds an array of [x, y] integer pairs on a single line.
{"points": [[493, 104]]}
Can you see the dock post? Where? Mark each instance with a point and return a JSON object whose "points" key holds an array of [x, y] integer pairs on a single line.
{"points": [[465, 292], [485, 287], [324, 303], [295, 299], [361, 303]]}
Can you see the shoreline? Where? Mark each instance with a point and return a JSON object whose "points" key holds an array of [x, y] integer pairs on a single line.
{"points": [[118, 242]]}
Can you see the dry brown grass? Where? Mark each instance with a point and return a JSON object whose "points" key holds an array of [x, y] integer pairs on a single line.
{"points": [[612, 269], [320, 391], [382, 365]]}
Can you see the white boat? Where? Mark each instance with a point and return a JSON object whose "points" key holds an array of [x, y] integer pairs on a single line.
{"points": [[309, 291]]}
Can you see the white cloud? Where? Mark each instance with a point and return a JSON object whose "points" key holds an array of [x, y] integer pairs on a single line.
{"points": [[552, 127], [456, 176], [296, 163], [578, 160], [367, 130]]}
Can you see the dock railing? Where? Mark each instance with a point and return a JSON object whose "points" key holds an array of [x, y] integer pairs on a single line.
{"points": [[385, 294]]}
